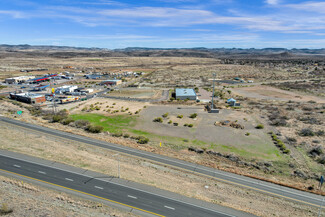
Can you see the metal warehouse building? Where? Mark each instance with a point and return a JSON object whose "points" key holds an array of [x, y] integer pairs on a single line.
{"points": [[183, 94], [28, 98]]}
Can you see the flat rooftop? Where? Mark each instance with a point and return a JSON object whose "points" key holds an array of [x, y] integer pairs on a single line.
{"points": [[31, 95], [185, 92]]}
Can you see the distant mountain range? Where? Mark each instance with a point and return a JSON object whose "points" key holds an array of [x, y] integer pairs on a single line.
{"points": [[67, 51]]}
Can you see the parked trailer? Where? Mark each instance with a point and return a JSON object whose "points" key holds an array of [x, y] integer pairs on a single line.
{"points": [[70, 99]]}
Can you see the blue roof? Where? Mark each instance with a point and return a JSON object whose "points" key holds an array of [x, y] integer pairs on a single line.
{"points": [[231, 100], [185, 92]]}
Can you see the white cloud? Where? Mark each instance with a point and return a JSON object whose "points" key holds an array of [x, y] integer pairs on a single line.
{"points": [[14, 14], [272, 2], [288, 22], [310, 6]]}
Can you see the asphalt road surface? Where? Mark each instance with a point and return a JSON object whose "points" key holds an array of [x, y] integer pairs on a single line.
{"points": [[145, 201], [254, 184]]}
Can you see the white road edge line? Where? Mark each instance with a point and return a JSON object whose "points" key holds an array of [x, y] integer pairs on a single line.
{"points": [[15, 165], [99, 187], [132, 197], [103, 180], [233, 176], [71, 180], [42, 172], [168, 207]]}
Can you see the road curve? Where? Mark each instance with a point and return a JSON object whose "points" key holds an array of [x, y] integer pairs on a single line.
{"points": [[145, 201], [254, 184]]}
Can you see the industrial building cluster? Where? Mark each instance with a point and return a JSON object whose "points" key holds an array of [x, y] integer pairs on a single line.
{"points": [[58, 87]]}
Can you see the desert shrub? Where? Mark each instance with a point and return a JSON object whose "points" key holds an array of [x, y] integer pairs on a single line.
{"points": [[247, 134], [158, 119], [279, 122], [35, 111], [117, 134], [58, 118], [67, 121], [319, 133], [316, 150], [142, 140], [170, 121], [126, 135], [180, 116], [194, 115], [287, 151], [5, 210], [309, 120], [95, 129], [307, 108], [322, 159], [260, 126], [291, 139], [185, 125], [165, 115], [190, 125], [175, 124], [306, 132], [82, 124]]}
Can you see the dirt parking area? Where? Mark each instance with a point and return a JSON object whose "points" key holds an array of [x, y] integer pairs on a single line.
{"points": [[215, 137]]}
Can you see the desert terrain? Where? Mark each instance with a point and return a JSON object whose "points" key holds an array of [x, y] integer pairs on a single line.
{"points": [[276, 134]]}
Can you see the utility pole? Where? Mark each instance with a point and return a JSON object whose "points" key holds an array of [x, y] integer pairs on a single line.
{"points": [[214, 78]]}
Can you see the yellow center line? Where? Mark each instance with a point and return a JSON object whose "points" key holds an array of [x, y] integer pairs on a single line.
{"points": [[71, 189], [176, 167]]}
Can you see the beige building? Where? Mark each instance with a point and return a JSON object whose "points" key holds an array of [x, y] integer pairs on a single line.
{"points": [[20, 79]]}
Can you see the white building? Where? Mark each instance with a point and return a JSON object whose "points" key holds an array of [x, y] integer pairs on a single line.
{"points": [[66, 89], [20, 79]]}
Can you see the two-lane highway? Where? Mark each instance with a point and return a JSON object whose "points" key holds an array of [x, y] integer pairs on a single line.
{"points": [[134, 198], [254, 184]]}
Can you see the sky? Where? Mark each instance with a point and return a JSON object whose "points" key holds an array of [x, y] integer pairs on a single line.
{"points": [[164, 23]]}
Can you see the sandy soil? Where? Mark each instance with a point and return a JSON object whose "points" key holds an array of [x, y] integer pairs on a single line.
{"points": [[101, 160], [105, 104], [271, 93], [203, 126], [137, 93], [30, 200]]}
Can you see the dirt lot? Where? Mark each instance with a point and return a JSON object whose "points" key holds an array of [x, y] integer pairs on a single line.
{"points": [[26, 199], [271, 93], [106, 106], [215, 137], [137, 93], [101, 160]]}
